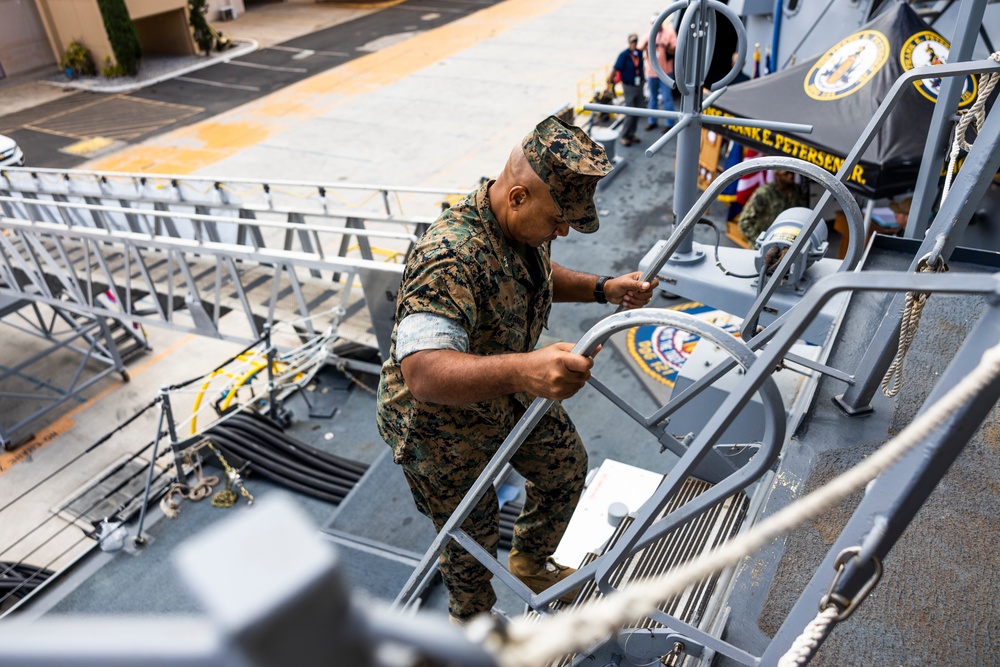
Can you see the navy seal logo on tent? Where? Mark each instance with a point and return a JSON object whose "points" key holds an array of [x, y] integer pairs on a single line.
{"points": [[928, 48], [661, 351], [848, 66]]}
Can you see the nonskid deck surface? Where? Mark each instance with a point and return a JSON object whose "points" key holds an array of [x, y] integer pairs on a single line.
{"points": [[928, 573]]}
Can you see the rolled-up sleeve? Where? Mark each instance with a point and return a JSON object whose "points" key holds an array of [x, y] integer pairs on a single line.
{"points": [[425, 331]]}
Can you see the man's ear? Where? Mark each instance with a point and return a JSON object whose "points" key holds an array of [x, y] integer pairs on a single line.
{"points": [[517, 197]]}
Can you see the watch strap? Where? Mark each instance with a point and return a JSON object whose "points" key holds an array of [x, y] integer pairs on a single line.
{"points": [[599, 295]]}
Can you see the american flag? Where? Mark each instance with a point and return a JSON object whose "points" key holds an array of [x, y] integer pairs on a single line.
{"points": [[750, 182]]}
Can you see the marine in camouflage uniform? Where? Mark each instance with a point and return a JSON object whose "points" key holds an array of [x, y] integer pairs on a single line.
{"points": [[468, 287], [767, 202]]}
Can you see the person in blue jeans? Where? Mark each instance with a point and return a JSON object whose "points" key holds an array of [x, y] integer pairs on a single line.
{"points": [[630, 69], [660, 95]]}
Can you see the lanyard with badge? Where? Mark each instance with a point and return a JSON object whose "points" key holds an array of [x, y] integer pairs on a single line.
{"points": [[635, 64]]}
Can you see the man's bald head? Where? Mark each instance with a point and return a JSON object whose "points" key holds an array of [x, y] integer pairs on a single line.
{"points": [[517, 172], [523, 205]]}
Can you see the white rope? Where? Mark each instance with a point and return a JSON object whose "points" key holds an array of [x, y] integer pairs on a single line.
{"points": [[978, 114], [913, 310], [805, 645], [528, 643], [172, 508]]}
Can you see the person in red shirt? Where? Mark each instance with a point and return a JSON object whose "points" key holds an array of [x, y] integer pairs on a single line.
{"points": [[660, 95]]}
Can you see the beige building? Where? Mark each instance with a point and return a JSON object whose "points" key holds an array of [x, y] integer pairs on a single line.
{"points": [[34, 33]]}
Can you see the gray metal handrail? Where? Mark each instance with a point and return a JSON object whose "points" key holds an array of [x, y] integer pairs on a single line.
{"points": [[201, 218], [847, 168], [942, 237], [759, 373], [850, 207], [597, 335], [47, 180]]}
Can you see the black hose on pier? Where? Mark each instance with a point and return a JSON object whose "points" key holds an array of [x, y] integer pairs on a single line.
{"points": [[247, 439]]}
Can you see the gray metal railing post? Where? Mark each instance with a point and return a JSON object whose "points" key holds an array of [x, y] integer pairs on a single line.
{"points": [[139, 540], [963, 43], [969, 187], [175, 445], [272, 406], [690, 46]]}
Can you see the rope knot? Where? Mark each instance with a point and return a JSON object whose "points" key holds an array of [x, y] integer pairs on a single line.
{"points": [[975, 114], [913, 309]]}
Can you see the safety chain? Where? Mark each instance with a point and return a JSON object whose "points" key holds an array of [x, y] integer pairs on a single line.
{"points": [[833, 608], [913, 308], [227, 497], [977, 114]]}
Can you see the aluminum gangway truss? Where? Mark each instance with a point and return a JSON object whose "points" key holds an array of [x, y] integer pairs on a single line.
{"points": [[224, 259]]}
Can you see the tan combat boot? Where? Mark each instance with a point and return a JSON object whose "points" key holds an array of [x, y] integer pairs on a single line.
{"points": [[540, 574]]}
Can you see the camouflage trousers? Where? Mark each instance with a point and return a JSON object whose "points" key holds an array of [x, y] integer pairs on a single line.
{"points": [[552, 460]]}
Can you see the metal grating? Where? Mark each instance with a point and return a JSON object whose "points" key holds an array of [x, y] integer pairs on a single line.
{"points": [[684, 543]]}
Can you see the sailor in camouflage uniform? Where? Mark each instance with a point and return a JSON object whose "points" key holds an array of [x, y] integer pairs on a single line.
{"points": [[768, 201], [475, 295]]}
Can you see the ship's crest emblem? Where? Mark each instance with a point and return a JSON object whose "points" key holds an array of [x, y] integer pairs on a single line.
{"points": [[847, 66], [661, 351], [927, 48]]}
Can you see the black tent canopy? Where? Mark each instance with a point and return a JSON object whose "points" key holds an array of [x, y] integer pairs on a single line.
{"points": [[839, 91]]}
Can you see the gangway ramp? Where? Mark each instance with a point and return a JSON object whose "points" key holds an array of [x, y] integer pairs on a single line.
{"points": [[185, 252], [219, 258]]}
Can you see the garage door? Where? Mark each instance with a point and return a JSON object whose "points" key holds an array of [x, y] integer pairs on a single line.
{"points": [[23, 45]]}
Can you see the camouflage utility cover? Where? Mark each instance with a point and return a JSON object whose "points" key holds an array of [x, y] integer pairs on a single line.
{"points": [[571, 164]]}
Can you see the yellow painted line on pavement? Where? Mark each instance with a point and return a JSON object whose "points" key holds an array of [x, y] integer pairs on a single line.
{"points": [[65, 422], [88, 146], [190, 149]]}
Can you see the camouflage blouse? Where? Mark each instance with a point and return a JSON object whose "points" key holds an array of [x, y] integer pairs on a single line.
{"points": [[465, 270]]}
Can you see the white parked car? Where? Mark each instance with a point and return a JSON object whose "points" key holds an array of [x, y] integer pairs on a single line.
{"points": [[10, 153]]}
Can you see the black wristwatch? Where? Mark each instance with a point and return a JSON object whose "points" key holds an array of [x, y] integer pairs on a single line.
{"points": [[599, 295]]}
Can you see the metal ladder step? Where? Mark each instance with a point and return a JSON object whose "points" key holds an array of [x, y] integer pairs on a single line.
{"points": [[686, 542]]}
